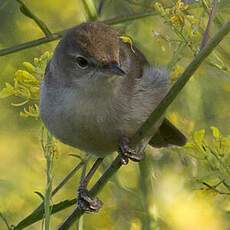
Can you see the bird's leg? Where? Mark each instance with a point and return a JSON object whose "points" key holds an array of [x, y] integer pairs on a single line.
{"points": [[85, 201], [129, 153]]}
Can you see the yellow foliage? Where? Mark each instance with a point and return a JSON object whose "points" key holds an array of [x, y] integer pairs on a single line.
{"points": [[183, 209], [27, 86]]}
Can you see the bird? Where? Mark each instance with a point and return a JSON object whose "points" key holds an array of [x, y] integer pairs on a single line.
{"points": [[97, 91]]}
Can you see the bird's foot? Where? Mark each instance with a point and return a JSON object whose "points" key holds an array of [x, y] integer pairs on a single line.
{"points": [[129, 153], [88, 203]]}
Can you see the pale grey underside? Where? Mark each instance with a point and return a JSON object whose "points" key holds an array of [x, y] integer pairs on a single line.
{"points": [[95, 115]]}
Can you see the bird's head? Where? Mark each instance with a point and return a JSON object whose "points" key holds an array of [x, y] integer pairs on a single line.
{"points": [[89, 51]]}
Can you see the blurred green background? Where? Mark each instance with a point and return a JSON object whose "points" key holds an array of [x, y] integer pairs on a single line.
{"points": [[158, 194]]}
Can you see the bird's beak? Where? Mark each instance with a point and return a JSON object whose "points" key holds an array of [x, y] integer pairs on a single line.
{"points": [[116, 69]]}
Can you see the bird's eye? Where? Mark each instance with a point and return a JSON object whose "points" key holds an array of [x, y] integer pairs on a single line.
{"points": [[82, 62]]}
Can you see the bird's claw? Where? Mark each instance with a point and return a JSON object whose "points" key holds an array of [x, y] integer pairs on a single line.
{"points": [[129, 153], [87, 203]]}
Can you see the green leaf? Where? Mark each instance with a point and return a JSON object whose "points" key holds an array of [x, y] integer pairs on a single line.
{"points": [[19, 104], [29, 66], [7, 91], [215, 132], [198, 136], [75, 155], [189, 145], [39, 194]]}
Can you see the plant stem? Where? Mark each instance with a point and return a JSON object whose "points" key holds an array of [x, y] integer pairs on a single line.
{"points": [[27, 45], [144, 191], [68, 177], [90, 9], [4, 220], [133, 17], [38, 213], [58, 35], [80, 223], [49, 156], [28, 13], [211, 16], [100, 7]]}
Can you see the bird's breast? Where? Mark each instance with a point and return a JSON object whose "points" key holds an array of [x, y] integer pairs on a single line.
{"points": [[90, 123]]}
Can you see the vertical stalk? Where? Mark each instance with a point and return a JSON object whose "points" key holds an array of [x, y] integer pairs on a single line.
{"points": [[90, 9], [5, 221], [80, 223], [28, 13], [144, 187], [48, 149]]}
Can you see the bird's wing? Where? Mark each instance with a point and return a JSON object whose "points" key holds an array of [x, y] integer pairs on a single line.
{"points": [[48, 73], [167, 135], [136, 62]]}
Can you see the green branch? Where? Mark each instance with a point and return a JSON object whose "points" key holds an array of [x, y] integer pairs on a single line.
{"points": [[146, 128], [5, 221], [58, 35], [38, 213], [28, 13], [90, 9], [142, 132], [48, 151], [144, 181]]}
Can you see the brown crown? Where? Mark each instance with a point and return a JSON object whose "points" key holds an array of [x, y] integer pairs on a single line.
{"points": [[99, 41]]}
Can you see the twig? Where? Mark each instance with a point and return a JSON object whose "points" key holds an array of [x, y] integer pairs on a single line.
{"points": [[144, 187], [144, 5], [28, 13], [177, 55], [132, 17], [100, 6], [58, 35], [80, 223], [215, 189], [38, 213], [218, 20], [5, 220], [210, 19], [226, 185], [90, 9], [49, 156], [146, 128], [68, 177], [27, 45]]}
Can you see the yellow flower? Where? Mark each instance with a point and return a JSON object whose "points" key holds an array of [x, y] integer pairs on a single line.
{"points": [[177, 20], [160, 8], [128, 39], [181, 6], [29, 66]]}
